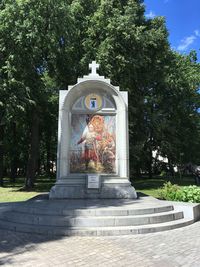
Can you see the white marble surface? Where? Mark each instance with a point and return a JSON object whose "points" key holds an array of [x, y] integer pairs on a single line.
{"points": [[74, 186]]}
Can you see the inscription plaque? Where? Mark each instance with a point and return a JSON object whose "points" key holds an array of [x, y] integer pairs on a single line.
{"points": [[93, 182]]}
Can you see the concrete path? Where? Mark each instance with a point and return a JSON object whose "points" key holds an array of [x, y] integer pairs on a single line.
{"points": [[175, 248]]}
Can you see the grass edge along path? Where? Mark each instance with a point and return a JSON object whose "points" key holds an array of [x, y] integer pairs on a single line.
{"points": [[10, 194], [14, 192]]}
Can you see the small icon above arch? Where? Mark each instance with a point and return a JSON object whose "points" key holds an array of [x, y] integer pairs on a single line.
{"points": [[93, 102]]}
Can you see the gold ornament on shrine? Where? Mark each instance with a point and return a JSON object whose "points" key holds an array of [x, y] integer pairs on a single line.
{"points": [[93, 102]]}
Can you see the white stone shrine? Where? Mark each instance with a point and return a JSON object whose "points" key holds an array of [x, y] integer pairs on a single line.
{"points": [[93, 145], [93, 174]]}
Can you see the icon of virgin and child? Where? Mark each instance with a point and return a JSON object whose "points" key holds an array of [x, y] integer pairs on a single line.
{"points": [[93, 146]]}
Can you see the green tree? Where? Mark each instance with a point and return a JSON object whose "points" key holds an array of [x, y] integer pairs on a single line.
{"points": [[30, 38], [135, 53], [46, 45]]}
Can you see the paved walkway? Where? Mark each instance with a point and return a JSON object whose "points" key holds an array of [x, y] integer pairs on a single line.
{"points": [[180, 247]]}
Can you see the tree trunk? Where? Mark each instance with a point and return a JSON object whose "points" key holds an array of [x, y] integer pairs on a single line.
{"points": [[1, 154], [13, 166], [171, 169], [33, 153], [150, 164], [48, 158], [52, 165], [39, 169], [138, 171], [13, 171]]}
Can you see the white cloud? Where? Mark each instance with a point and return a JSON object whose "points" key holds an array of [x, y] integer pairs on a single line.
{"points": [[197, 33], [186, 42], [150, 15]]}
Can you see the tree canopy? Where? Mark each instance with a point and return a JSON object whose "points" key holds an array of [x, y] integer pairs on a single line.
{"points": [[46, 45]]}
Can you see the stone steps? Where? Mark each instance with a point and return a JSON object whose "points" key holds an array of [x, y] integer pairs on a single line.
{"points": [[88, 211], [91, 221], [93, 231], [94, 217]]}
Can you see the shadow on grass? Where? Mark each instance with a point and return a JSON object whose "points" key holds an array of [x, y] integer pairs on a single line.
{"points": [[156, 183], [148, 184], [42, 184], [141, 194]]}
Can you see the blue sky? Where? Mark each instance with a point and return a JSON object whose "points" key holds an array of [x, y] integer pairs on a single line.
{"points": [[182, 20]]}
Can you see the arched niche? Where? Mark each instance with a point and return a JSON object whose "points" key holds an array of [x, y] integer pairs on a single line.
{"points": [[105, 100], [118, 108]]}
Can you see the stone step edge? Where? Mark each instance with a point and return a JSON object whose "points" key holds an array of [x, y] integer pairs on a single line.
{"points": [[94, 212], [87, 222], [160, 214], [95, 231], [113, 221]]}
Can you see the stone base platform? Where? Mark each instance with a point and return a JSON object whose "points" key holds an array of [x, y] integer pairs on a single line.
{"points": [[96, 217], [107, 191]]}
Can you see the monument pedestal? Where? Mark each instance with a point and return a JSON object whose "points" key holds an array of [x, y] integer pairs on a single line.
{"points": [[93, 141], [113, 189]]}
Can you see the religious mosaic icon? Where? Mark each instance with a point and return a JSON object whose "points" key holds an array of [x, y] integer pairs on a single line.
{"points": [[93, 102], [93, 144]]}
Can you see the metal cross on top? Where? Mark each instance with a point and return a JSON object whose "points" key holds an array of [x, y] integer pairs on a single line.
{"points": [[94, 67]]}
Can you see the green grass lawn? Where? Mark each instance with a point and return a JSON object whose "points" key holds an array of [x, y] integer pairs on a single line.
{"points": [[11, 194], [14, 192], [151, 186]]}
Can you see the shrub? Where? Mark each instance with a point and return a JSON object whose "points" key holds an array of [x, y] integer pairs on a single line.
{"points": [[176, 193], [191, 194], [168, 191]]}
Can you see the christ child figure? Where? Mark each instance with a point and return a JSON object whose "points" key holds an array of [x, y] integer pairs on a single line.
{"points": [[90, 148]]}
